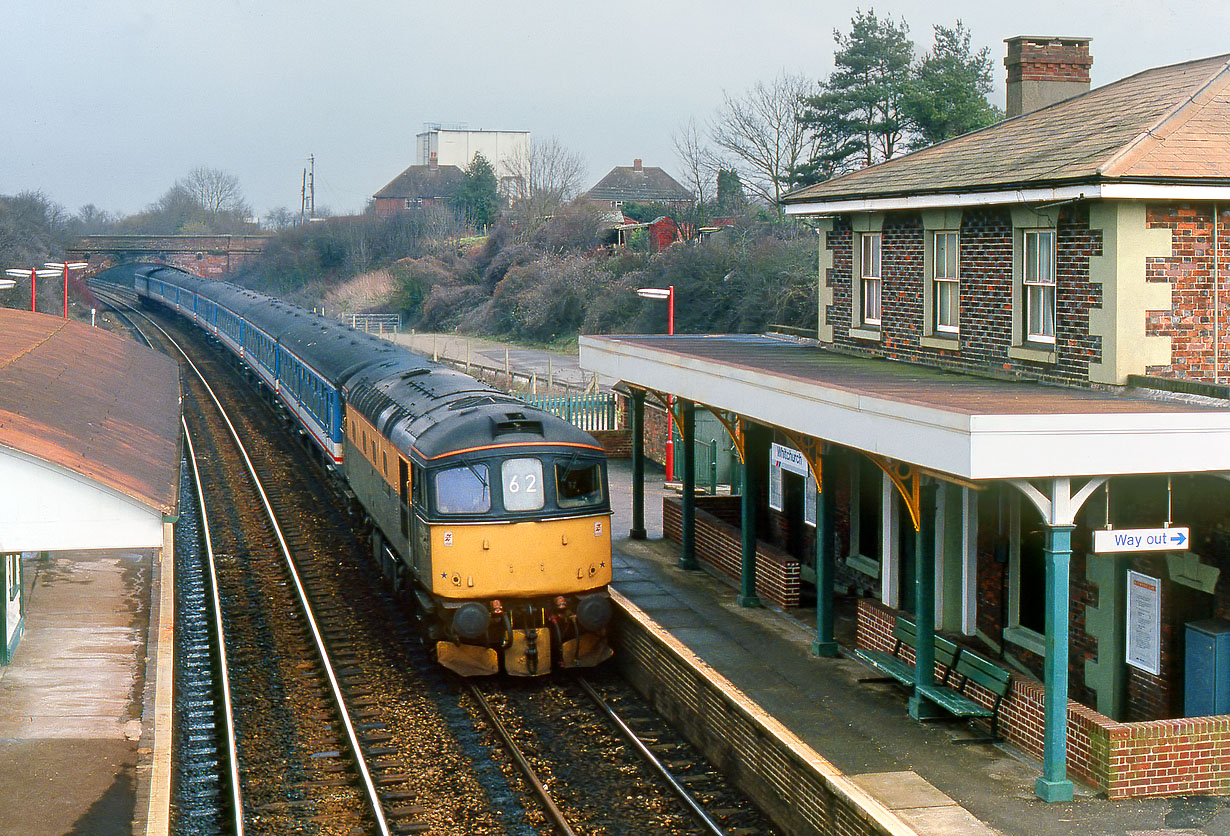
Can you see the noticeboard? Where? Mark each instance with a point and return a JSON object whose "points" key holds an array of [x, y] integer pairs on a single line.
{"points": [[1144, 623]]}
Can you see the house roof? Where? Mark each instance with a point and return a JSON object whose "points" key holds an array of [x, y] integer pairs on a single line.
{"points": [[1164, 126], [646, 184], [423, 181]]}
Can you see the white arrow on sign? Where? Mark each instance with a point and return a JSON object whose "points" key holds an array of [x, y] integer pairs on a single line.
{"points": [[1141, 540]]}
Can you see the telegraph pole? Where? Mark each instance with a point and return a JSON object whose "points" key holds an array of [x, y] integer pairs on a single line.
{"points": [[307, 195]]}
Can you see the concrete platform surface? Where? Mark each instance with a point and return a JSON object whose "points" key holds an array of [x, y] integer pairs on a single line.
{"points": [[71, 703], [864, 729]]}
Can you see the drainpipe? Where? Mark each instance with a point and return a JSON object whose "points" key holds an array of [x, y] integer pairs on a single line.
{"points": [[1216, 318]]}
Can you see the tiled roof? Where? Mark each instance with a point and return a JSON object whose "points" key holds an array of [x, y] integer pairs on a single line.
{"points": [[647, 184], [91, 402], [423, 181], [1159, 126]]}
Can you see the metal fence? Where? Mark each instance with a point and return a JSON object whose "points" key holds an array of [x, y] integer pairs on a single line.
{"points": [[716, 464], [374, 323], [590, 412]]}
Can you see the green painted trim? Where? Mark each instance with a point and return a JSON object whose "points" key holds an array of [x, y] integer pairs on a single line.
{"points": [[10, 650], [1186, 569], [1106, 624], [1054, 785], [863, 564]]}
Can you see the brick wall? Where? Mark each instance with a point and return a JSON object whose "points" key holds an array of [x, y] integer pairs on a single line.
{"points": [[986, 318], [1049, 59], [1189, 756], [1189, 271], [719, 545], [616, 443]]}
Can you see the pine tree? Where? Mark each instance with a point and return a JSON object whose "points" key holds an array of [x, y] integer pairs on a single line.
{"points": [[477, 198], [948, 94], [857, 117]]}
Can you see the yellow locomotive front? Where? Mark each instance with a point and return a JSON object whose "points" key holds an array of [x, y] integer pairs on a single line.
{"points": [[511, 546]]}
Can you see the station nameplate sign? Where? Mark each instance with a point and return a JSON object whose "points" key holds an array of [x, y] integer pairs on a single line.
{"points": [[1140, 540]]}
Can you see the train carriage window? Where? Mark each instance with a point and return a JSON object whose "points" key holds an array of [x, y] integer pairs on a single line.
{"points": [[578, 484], [522, 484], [463, 490]]}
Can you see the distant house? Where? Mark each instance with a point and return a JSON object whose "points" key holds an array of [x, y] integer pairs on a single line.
{"points": [[418, 185], [507, 151], [638, 183], [660, 233]]}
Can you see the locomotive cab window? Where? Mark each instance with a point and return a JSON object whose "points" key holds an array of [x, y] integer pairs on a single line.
{"points": [[522, 484], [463, 490], [578, 484]]}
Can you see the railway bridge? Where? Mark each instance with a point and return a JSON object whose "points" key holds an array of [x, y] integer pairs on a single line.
{"points": [[208, 256]]}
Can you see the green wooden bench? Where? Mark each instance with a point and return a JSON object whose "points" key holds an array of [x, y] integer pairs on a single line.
{"points": [[895, 668], [953, 696]]}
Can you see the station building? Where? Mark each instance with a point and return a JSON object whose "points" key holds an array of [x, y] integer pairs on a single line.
{"points": [[1021, 366], [89, 482]]}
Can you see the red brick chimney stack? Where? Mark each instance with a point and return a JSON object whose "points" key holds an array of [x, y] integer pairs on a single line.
{"points": [[636, 164], [1045, 70]]}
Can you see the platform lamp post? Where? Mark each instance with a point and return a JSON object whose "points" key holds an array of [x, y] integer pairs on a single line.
{"points": [[667, 293], [66, 266], [34, 273]]}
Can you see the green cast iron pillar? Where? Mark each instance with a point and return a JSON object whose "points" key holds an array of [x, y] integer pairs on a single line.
{"points": [[637, 531], [687, 555], [1054, 785], [826, 504], [753, 453], [922, 708]]}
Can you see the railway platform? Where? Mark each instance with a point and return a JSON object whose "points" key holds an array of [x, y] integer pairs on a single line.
{"points": [[83, 739], [863, 729]]}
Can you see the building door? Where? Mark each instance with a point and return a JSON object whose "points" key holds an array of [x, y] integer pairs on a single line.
{"points": [[11, 605]]}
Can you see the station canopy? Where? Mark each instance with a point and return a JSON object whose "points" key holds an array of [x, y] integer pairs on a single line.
{"points": [[945, 422], [89, 437]]}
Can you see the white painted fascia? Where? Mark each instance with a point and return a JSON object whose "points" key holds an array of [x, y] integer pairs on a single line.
{"points": [[971, 446], [1103, 191]]}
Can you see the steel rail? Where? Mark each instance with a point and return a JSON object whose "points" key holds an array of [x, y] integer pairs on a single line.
{"points": [[552, 810], [220, 634], [361, 764], [652, 759], [218, 628]]}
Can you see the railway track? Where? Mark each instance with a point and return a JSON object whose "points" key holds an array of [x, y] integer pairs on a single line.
{"points": [[604, 764], [432, 761]]}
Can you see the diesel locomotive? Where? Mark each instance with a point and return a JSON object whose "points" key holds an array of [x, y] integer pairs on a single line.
{"points": [[491, 516]]}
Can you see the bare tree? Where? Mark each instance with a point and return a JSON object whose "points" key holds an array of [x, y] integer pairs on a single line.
{"points": [[546, 179], [700, 163], [762, 132], [550, 174], [215, 191]]}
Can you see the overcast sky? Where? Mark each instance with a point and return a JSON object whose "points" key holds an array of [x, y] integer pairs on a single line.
{"points": [[110, 101]]}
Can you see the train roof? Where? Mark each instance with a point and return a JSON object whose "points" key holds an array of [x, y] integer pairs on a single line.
{"points": [[433, 409], [407, 398], [333, 349]]}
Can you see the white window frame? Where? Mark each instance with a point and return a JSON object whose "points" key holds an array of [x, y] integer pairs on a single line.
{"points": [[872, 567], [871, 278], [945, 274], [1014, 632], [1038, 285]]}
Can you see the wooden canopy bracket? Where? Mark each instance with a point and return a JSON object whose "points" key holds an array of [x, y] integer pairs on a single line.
{"points": [[811, 448], [734, 428], [672, 406], [907, 479]]}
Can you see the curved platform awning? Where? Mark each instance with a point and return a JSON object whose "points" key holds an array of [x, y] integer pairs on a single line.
{"points": [[966, 426]]}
